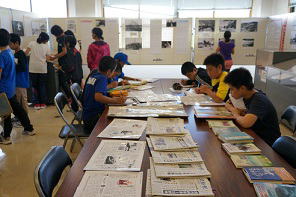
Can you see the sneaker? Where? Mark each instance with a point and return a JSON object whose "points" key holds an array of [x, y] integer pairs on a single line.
{"points": [[17, 124], [42, 106], [14, 120], [5, 141], [37, 106], [30, 133]]}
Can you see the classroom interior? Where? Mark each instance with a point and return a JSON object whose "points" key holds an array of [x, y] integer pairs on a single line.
{"points": [[166, 34]]}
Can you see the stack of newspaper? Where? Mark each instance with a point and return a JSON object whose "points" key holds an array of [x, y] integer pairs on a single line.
{"points": [[199, 99], [176, 166]]}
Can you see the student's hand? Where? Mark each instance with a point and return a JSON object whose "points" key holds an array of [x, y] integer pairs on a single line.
{"points": [[113, 84], [125, 82], [120, 100], [197, 90], [205, 89], [184, 82], [232, 109]]}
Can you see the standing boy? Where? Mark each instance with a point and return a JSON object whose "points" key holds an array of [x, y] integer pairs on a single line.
{"points": [[22, 71], [215, 69], [7, 86], [260, 115]]}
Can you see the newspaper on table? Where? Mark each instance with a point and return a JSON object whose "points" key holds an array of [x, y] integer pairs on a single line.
{"points": [[124, 129], [199, 99], [117, 155], [220, 123], [108, 183], [189, 156], [142, 87], [164, 143], [148, 184], [165, 126], [176, 110], [180, 170], [177, 187], [213, 112], [150, 96]]}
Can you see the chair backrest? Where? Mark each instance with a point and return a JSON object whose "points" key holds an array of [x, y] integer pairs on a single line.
{"points": [[286, 147], [49, 171], [60, 102], [289, 115], [77, 93]]}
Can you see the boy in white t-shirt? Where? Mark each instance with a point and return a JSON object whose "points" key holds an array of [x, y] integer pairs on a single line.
{"points": [[38, 69]]}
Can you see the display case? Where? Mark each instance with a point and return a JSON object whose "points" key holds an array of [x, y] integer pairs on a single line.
{"points": [[275, 75]]}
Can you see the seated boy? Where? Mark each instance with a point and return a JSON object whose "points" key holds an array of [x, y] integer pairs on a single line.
{"points": [[220, 90], [95, 93], [260, 115], [123, 59], [113, 80], [22, 71], [189, 70], [7, 86]]}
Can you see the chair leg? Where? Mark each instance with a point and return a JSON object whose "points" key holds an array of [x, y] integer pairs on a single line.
{"points": [[65, 141], [72, 144], [78, 139]]}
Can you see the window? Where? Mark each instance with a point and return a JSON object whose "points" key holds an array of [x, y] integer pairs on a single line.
{"points": [[53, 8], [243, 13], [196, 13], [23, 5]]}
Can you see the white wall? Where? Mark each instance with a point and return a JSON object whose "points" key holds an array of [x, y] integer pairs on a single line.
{"points": [[85, 8], [265, 8]]}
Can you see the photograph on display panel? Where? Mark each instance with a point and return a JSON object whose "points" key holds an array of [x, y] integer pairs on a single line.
{"points": [[166, 44], [133, 43], [248, 42], [18, 27], [205, 43], [249, 26], [100, 23], [227, 25], [133, 25], [206, 26], [171, 23]]}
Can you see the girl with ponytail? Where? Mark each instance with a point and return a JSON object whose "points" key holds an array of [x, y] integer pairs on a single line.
{"points": [[226, 48]]}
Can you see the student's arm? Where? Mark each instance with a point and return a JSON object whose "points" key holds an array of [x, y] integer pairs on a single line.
{"points": [[218, 49], [27, 52], [246, 121], [99, 97], [206, 90], [132, 79], [113, 84], [61, 54]]}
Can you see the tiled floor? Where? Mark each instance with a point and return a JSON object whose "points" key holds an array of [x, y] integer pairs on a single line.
{"points": [[17, 167]]}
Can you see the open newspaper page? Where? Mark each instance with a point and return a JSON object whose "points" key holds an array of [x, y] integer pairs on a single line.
{"points": [[165, 126], [163, 143], [150, 96], [124, 129], [180, 186], [176, 110], [120, 155], [220, 123], [212, 112], [142, 87], [245, 148], [180, 170], [199, 99], [107, 183]]}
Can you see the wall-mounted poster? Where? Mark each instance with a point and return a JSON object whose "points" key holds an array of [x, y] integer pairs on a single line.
{"points": [[133, 43], [248, 42], [205, 43], [171, 23], [100, 23], [206, 26], [227, 25], [133, 25], [18, 27], [71, 25], [249, 26]]}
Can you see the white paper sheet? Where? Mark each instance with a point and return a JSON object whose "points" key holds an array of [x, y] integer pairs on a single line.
{"points": [[181, 40]]}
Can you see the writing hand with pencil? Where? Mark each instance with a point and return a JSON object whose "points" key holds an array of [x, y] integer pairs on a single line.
{"points": [[203, 90]]}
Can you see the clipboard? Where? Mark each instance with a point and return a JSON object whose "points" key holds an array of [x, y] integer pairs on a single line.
{"points": [[5, 108]]}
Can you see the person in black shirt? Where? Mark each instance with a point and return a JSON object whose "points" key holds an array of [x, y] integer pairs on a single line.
{"points": [[190, 71], [260, 114]]}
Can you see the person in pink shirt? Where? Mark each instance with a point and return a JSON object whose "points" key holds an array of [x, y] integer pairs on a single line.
{"points": [[97, 50]]}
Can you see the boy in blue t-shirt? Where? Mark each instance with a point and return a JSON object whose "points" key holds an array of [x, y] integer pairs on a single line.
{"points": [[7, 86], [95, 93], [22, 71]]}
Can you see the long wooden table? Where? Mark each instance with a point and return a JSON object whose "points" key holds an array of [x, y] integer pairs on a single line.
{"points": [[226, 180]]}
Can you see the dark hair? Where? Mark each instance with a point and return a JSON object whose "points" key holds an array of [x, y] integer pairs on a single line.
{"points": [[15, 38], [71, 40], [98, 32], [118, 68], [187, 67], [107, 63], [4, 38], [240, 77], [56, 30], [43, 37], [69, 33], [227, 35], [215, 60]]}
